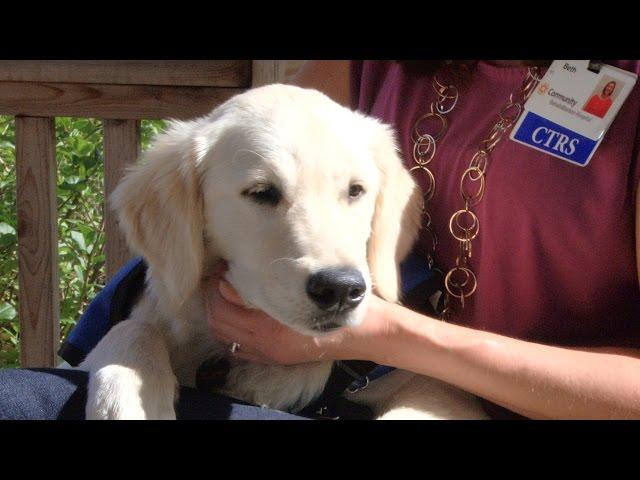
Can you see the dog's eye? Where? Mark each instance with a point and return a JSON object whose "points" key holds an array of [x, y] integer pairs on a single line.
{"points": [[264, 194], [355, 191]]}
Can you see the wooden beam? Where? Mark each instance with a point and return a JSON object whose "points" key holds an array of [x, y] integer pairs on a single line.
{"points": [[264, 72], [183, 73], [121, 148], [109, 101], [37, 241]]}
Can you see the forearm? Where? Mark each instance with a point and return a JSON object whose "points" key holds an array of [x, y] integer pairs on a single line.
{"points": [[535, 380]]}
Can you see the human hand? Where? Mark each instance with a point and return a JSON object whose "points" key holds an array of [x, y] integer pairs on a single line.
{"points": [[263, 339]]}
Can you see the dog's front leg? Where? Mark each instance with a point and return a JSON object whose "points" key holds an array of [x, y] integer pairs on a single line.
{"points": [[130, 375]]}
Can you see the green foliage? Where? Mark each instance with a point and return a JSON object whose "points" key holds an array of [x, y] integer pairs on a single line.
{"points": [[9, 353], [80, 202]]}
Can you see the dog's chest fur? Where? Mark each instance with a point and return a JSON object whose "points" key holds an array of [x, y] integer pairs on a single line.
{"points": [[274, 386]]}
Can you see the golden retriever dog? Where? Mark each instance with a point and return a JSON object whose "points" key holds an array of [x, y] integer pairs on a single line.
{"points": [[301, 197]]}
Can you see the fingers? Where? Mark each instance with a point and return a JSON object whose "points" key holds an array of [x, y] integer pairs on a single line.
{"points": [[245, 351], [232, 333], [232, 323], [229, 293], [216, 281], [220, 310], [253, 357]]}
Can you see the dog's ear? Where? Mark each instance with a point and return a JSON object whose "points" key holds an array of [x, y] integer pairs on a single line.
{"points": [[397, 216], [159, 208]]}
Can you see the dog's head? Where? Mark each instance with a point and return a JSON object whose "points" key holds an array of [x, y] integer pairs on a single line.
{"points": [[307, 201]]}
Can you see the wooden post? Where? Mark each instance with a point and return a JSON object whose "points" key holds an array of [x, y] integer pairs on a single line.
{"points": [[37, 241], [121, 148]]}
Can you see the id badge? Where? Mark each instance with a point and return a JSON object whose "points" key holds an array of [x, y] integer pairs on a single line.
{"points": [[571, 109]]}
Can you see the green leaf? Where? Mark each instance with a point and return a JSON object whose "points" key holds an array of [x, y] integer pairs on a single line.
{"points": [[7, 240], [78, 237], [73, 179], [10, 359], [82, 147], [79, 272], [8, 265], [90, 161], [73, 182], [7, 312], [6, 228]]}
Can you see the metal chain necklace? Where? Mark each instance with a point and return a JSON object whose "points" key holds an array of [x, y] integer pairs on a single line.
{"points": [[460, 282]]}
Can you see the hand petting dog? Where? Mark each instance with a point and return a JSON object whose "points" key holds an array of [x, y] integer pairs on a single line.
{"points": [[264, 340]]}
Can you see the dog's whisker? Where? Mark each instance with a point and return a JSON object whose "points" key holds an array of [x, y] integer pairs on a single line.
{"points": [[334, 314], [246, 150]]}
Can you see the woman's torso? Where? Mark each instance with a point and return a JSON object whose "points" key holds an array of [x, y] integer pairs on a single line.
{"points": [[555, 254]]}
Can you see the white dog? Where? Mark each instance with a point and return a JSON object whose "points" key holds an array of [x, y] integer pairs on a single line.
{"points": [[311, 207]]}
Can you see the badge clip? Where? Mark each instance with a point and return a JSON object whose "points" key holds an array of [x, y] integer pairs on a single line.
{"points": [[595, 66]]}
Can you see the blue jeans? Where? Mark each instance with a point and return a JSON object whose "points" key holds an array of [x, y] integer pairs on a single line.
{"points": [[55, 394]]}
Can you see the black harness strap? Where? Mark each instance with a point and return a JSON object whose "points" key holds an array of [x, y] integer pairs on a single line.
{"points": [[331, 404]]}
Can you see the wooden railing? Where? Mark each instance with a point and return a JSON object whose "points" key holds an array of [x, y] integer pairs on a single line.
{"points": [[121, 93]]}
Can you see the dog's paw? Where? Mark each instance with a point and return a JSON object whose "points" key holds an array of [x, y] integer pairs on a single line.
{"points": [[118, 393]]}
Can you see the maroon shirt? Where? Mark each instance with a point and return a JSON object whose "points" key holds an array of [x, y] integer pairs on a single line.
{"points": [[555, 255]]}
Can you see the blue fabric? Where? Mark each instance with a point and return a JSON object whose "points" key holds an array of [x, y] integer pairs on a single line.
{"points": [[95, 321], [413, 271], [54, 394]]}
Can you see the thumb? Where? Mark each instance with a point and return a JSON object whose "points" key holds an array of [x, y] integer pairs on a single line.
{"points": [[229, 293]]}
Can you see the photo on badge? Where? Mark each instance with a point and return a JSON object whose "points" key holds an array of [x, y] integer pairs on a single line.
{"points": [[603, 96]]}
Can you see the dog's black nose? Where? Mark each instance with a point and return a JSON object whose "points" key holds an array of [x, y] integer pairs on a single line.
{"points": [[341, 288]]}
